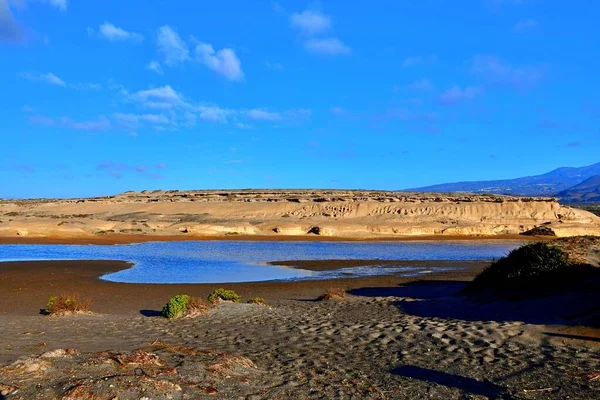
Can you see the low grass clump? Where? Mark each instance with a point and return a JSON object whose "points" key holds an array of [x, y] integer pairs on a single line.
{"points": [[63, 305], [530, 267], [258, 300], [333, 294], [184, 305], [224, 295]]}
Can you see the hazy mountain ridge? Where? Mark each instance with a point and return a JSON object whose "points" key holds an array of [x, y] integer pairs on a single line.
{"points": [[553, 183], [587, 191]]}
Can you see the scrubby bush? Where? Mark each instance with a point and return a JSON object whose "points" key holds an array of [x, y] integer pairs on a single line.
{"points": [[60, 305], [258, 300], [184, 305], [176, 306], [225, 295], [522, 268], [196, 305], [333, 294]]}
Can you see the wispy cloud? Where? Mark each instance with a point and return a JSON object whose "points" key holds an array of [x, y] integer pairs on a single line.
{"points": [[164, 97], [525, 25], [155, 66], [113, 33], [41, 120], [225, 62], [243, 125], [53, 79], [133, 121], [288, 116], [456, 94], [342, 112], [10, 30], [274, 66], [310, 22], [102, 123], [171, 46], [263, 115], [497, 71], [48, 77], [60, 4], [422, 84], [327, 46], [419, 60], [214, 114]]}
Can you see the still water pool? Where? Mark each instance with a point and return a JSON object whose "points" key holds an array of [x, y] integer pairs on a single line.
{"points": [[242, 261]]}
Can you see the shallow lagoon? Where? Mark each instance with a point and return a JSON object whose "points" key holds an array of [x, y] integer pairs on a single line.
{"points": [[241, 261]]}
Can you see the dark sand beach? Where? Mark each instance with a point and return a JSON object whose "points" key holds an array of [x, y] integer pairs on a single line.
{"points": [[392, 337]]}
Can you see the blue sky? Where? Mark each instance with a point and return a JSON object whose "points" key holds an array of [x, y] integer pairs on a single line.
{"points": [[100, 97]]}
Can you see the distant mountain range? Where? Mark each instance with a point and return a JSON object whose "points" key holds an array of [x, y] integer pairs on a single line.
{"points": [[569, 184], [587, 191]]}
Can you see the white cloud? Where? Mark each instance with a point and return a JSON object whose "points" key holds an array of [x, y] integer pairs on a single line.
{"points": [[132, 121], [497, 71], [85, 86], [242, 125], [171, 46], [263, 115], [310, 22], [113, 33], [47, 78], [164, 97], [60, 4], [456, 94], [155, 66], [224, 61], [52, 79], [293, 115], [327, 46], [214, 114]]}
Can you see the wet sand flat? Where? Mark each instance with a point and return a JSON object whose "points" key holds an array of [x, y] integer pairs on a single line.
{"points": [[391, 338]]}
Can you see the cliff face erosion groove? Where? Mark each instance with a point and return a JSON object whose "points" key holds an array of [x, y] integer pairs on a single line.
{"points": [[280, 213]]}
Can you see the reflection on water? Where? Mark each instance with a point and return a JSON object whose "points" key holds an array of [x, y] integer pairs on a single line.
{"points": [[238, 261]]}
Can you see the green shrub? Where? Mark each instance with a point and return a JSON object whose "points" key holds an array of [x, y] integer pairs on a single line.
{"points": [[223, 294], [520, 266], [58, 305], [176, 306], [258, 300], [50, 304]]}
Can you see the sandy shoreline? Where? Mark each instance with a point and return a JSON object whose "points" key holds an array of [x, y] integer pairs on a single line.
{"points": [[27, 285], [392, 338]]}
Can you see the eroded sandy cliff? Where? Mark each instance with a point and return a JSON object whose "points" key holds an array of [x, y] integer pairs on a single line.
{"points": [[347, 214]]}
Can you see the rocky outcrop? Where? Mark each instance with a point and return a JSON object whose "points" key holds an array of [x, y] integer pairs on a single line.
{"points": [[346, 214]]}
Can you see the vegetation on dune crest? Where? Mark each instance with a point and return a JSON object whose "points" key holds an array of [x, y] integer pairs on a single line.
{"points": [[524, 268], [258, 300], [59, 305], [176, 306], [184, 305], [224, 295]]}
